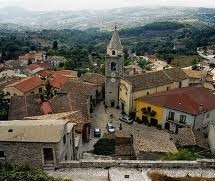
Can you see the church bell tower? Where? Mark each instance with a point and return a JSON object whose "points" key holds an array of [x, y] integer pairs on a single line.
{"points": [[114, 67]]}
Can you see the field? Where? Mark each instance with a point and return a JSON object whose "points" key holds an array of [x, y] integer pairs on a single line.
{"points": [[185, 60]]}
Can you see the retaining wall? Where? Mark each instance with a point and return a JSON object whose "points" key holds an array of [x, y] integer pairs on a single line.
{"points": [[137, 164]]}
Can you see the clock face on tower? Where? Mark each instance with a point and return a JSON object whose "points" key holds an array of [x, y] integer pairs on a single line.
{"points": [[113, 74], [113, 80]]}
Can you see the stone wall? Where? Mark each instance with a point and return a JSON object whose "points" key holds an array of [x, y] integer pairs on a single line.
{"points": [[137, 164], [26, 153]]}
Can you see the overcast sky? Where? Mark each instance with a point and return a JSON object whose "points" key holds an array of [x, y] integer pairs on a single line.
{"points": [[100, 4]]}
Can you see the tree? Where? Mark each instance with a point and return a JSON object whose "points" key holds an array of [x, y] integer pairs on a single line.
{"points": [[55, 45], [168, 58], [142, 63], [61, 65], [194, 67], [4, 106], [104, 147], [69, 65], [48, 92]]}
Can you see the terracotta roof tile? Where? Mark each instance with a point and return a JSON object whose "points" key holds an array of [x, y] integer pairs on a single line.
{"points": [[148, 80], [33, 67], [154, 142], [27, 84], [66, 73], [93, 78], [44, 73], [57, 81], [78, 87], [176, 74], [186, 99], [189, 137], [23, 106]]}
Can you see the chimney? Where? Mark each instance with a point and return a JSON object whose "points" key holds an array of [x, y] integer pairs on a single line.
{"points": [[201, 107]]}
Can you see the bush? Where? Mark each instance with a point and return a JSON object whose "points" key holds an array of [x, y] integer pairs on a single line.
{"points": [[105, 147], [180, 155], [19, 173]]}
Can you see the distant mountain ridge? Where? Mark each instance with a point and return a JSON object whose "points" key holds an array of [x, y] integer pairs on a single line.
{"points": [[102, 19]]}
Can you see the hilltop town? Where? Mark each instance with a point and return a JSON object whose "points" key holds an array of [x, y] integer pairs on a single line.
{"points": [[54, 116]]}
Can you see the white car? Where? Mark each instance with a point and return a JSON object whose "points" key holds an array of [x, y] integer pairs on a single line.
{"points": [[110, 128], [126, 119]]}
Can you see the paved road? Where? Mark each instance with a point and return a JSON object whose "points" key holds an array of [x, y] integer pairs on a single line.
{"points": [[118, 174], [102, 116], [210, 58]]}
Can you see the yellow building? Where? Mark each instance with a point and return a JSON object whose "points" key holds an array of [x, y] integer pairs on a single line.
{"points": [[135, 86], [148, 113]]}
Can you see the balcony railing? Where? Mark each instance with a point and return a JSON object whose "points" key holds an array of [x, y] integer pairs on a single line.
{"points": [[151, 113], [176, 121]]}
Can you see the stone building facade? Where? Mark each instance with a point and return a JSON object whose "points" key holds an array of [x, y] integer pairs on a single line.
{"points": [[42, 143], [114, 68]]}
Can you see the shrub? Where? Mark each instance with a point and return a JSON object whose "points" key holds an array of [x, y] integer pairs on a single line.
{"points": [[104, 147], [180, 155], [18, 173]]}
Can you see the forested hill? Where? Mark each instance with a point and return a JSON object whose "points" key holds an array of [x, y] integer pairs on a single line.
{"points": [[158, 38]]}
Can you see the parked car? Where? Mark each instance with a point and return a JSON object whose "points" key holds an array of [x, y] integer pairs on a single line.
{"points": [[110, 128], [97, 132], [126, 119]]}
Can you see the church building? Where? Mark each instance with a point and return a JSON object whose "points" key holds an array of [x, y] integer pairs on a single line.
{"points": [[114, 67]]}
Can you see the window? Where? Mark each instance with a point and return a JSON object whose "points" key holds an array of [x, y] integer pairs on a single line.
{"points": [[113, 66], [180, 84], [2, 154], [168, 88], [64, 139], [40, 90], [113, 52], [182, 119], [147, 93], [149, 109], [171, 116], [66, 157]]}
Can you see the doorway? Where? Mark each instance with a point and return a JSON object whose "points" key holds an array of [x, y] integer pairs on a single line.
{"points": [[123, 106], [154, 122], [112, 103], [48, 155], [167, 126]]}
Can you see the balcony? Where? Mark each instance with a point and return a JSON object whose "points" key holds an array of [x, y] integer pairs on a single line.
{"points": [[181, 123], [148, 112]]}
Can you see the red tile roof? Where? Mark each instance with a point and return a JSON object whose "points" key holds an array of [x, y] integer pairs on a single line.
{"points": [[33, 67], [27, 84], [186, 99], [44, 73], [152, 57], [93, 78], [66, 73], [57, 81]]}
